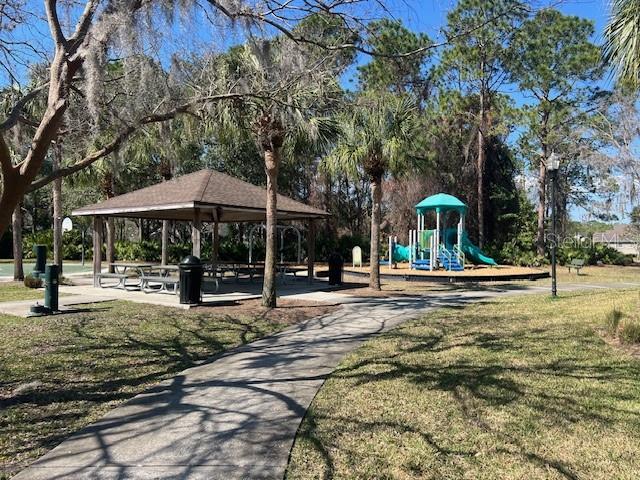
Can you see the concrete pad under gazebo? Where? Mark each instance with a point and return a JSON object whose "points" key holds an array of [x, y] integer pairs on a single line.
{"points": [[202, 196]]}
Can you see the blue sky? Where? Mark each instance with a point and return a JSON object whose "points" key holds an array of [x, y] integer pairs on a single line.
{"points": [[430, 15]]}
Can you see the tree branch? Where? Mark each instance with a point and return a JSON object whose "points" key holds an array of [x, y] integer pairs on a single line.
{"points": [[129, 130], [5, 158], [262, 18], [14, 115], [83, 25], [54, 23]]}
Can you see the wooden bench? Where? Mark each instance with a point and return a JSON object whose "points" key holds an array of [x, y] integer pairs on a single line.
{"points": [[576, 264], [121, 277], [164, 282]]}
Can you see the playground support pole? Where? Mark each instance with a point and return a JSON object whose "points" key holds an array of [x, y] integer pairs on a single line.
{"points": [[460, 229], [410, 249], [431, 250], [437, 241]]}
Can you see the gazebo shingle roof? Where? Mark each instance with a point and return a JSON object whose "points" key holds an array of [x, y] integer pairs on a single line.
{"points": [[210, 192]]}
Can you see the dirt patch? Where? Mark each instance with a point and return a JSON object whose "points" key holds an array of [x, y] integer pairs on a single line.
{"points": [[287, 312], [632, 349]]}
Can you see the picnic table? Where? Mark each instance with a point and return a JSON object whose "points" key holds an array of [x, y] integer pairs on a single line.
{"points": [[159, 278], [122, 267], [123, 271]]}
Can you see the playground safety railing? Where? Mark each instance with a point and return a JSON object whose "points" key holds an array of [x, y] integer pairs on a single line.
{"points": [[446, 254], [460, 255]]}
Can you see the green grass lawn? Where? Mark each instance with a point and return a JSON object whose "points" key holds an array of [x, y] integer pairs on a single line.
{"points": [[13, 291], [523, 387], [603, 274], [59, 373]]}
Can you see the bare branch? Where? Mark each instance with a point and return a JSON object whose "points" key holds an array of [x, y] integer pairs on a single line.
{"points": [[126, 132], [54, 23]]}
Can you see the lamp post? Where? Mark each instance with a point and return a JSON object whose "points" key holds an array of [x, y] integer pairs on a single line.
{"points": [[553, 164]]}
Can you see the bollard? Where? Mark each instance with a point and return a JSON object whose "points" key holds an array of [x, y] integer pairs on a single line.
{"points": [[51, 288], [41, 260]]}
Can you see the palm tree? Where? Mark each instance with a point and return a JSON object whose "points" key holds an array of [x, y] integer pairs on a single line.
{"points": [[622, 41], [375, 143], [283, 116]]}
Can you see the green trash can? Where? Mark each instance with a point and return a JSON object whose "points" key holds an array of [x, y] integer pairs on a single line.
{"points": [[51, 282], [191, 270], [41, 260]]}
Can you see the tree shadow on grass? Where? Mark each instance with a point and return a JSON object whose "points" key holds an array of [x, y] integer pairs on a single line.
{"points": [[91, 366], [540, 385]]}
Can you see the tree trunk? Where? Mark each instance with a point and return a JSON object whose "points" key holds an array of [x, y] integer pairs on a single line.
{"points": [[15, 182], [542, 198], [480, 167], [57, 209], [271, 163], [374, 256], [16, 225], [10, 199]]}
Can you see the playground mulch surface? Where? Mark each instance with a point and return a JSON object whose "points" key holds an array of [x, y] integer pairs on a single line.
{"points": [[480, 271], [520, 387]]}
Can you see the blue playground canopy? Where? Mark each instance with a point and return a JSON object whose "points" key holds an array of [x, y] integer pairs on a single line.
{"points": [[440, 202]]}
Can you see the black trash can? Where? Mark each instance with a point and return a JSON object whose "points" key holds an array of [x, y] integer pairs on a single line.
{"points": [[191, 280], [41, 260], [51, 282], [336, 266]]}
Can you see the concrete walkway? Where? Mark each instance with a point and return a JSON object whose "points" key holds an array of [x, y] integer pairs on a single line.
{"points": [[237, 416]]}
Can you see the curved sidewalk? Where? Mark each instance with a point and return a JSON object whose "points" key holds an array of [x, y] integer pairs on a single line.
{"points": [[237, 416]]}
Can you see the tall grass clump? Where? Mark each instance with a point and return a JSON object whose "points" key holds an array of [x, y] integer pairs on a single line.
{"points": [[625, 327]]}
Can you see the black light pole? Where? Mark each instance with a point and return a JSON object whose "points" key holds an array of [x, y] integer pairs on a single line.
{"points": [[553, 164]]}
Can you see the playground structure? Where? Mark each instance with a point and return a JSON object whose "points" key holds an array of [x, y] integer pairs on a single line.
{"points": [[447, 248]]}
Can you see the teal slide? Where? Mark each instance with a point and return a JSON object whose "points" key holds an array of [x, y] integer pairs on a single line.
{"points": [[401, 253], [471, 252]]}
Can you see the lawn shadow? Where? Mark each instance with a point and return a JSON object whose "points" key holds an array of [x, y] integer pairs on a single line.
{"points": [[413, 355]]}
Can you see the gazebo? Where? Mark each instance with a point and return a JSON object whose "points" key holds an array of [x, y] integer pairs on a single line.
{"points": [[202, 196]]}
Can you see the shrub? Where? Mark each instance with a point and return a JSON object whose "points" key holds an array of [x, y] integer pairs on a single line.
{"points": [[630, 331], [592, 254], [612, 321], [146, 250], [32, 282], [71, 244]]}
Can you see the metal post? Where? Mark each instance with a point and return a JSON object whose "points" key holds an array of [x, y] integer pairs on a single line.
{"points": [[83, 230], [311, 250], [554, 242], [196, 232], [97, 249]]}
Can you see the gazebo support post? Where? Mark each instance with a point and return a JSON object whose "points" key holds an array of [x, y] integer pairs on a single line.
{"points": [[196, 231], [97, 249], [111, 243], [164, 259], [215, 242], [311, 250]]}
